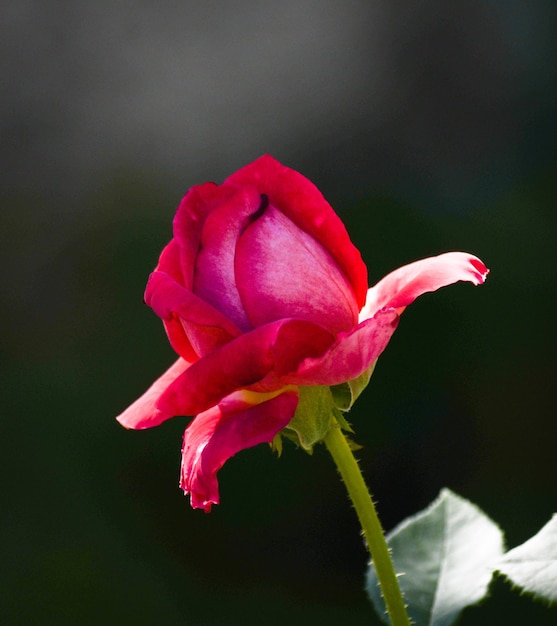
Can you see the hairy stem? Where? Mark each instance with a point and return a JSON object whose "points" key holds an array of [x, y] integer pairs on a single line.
{"points": [[373, 533]]}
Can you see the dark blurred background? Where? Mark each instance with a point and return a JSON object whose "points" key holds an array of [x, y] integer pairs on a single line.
{"points": [[430, 126]]}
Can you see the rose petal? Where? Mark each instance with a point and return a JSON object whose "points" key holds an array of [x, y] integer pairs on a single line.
{"points": [[219, 433], [169, 263], [274, 349], [402, 286], [205, 327], [301, 201], [214, 279], [144, 412], [281, 271], [351, 353], [189, 220]]}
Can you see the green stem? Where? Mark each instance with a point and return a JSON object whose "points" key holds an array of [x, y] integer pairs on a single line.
{"points": [[375, 538]]}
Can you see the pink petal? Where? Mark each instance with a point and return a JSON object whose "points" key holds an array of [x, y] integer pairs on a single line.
{"points": [[144, 412], [214, 279], [351, 353], [281, 272], [401, 287], [219, 433], [205, 327], [189, 221], [169, 263], [271, 351], [301, 201]]}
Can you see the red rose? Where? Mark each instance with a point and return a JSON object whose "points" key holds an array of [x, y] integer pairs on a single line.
{"points": [[262, 292]]}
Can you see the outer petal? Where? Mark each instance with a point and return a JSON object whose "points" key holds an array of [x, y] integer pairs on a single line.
{"points": [[219, 433], [401, 287], [169, 263], [204, 326], [301, 201], [350, 355], [144, 412], [281, 271], [271, 351]]}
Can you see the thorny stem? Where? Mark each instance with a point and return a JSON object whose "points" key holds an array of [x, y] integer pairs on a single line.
{"points": [[373, 533]]}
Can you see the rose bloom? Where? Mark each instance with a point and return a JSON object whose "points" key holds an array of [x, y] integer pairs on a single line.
{"points": [[262, 295]]}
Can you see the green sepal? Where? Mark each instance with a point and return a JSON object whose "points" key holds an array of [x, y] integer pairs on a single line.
{"points": [[276, 444], [342, 396], [347, 393], [342, 421], [313, 418]]}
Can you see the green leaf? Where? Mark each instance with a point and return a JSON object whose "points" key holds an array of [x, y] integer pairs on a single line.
{"points": [[313, 417], [445, 556], [532, 566]]}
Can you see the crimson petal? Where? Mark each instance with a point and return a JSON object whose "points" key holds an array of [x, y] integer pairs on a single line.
{"points": [[351, 353], [219, 433], [204, 326], [300, 200], [273, 351], [189, 221], [144, 412], [169, 263], [214, 279]]}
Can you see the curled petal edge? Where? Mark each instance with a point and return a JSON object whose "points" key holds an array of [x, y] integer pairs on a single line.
{"points": [[193, 326], [269, 353], [145, 412], [302, 202], [402, 286], [219, 433], [351, 354]]}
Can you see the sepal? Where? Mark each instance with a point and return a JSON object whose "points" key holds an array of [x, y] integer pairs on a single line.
{"points": [[276, 445], [345, 394], [313, 418], [342, 421]]}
